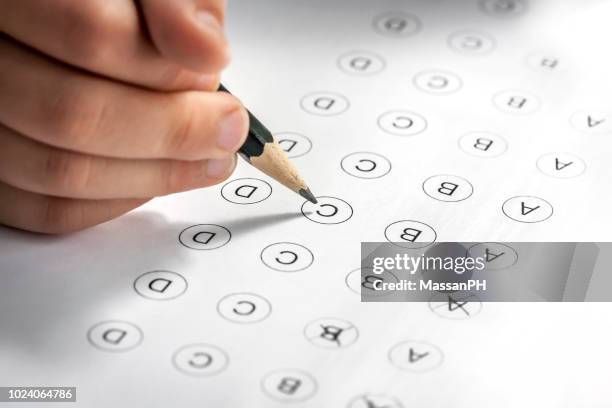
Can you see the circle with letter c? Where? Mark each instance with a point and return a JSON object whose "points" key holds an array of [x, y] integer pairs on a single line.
{"points": [[366, 165], [328, 210], [200, 359], [287, 257], [244, 307]]}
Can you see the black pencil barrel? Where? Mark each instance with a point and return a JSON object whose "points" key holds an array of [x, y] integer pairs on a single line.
{"points": [[258, 135]]}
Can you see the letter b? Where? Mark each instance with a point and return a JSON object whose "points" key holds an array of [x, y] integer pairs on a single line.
{"points": [[447, 188]]}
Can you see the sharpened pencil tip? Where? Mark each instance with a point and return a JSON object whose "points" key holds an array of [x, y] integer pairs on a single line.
{"points": [[307, 194]]}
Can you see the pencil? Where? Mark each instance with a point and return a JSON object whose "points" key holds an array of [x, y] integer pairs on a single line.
{"points": [[262, 152]]}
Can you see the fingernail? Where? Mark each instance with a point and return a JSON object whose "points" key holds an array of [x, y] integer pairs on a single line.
{"points": [[231, 131], [209, 22], [217, 168]]}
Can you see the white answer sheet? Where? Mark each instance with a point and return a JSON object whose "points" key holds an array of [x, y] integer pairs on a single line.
{"points": [[230, 296]]}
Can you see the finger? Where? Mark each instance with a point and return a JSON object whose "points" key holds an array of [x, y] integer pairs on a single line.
{"points": [[69, 109], [39, 168], [110, 38], [54, 215], [189, 32]]}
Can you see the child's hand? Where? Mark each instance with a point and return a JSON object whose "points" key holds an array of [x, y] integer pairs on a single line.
{"points": [[107, 103]]}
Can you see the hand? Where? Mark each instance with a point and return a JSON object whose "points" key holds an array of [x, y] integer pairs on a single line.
{"points": [[105, 104]]}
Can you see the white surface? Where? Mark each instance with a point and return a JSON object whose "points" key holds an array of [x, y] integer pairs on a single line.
{"points": [[54, 289]]}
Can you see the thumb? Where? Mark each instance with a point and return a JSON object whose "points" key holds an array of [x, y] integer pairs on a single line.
{"points": [[188, 32]]}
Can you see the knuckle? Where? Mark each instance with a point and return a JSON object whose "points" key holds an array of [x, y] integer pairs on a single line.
{"points": [[176, 176], [66, 172], [183, 140], [90, 36], [73, 116]]}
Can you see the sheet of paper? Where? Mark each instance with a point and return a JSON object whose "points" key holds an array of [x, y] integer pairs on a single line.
{"points": [[231, 297]]}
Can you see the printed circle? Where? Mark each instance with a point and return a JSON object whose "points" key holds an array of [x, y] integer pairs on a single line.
{"points": [[544, 62], [415, 356], [287, 257], [374, 401], [244, 307], [483, 144], [470, 42], [363, 283], [324, 103], [517, 102], [596, 121], [402, 123], [246, 191], [437, 82], [289, 385], [294, 144], [397, 24], [331, 333], [410, 234], [497, 256], [455, 306], [365, 165], [205, 236], [328, 210], [449, 188], [200, 360], [503, 8], [361, 63], [561, 165], [114, 335], [160, 285], [527, 209]]}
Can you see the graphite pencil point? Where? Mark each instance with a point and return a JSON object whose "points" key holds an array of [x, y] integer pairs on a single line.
{"points": [[307, 194]]}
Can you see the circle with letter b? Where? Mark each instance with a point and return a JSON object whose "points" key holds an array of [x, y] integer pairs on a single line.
{"points": [[289, 385], [449, 188], [410, 234]]}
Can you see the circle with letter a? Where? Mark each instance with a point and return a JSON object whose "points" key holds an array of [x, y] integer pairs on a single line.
{"points": [[205, 236], [416, 356], [527, 209]]}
